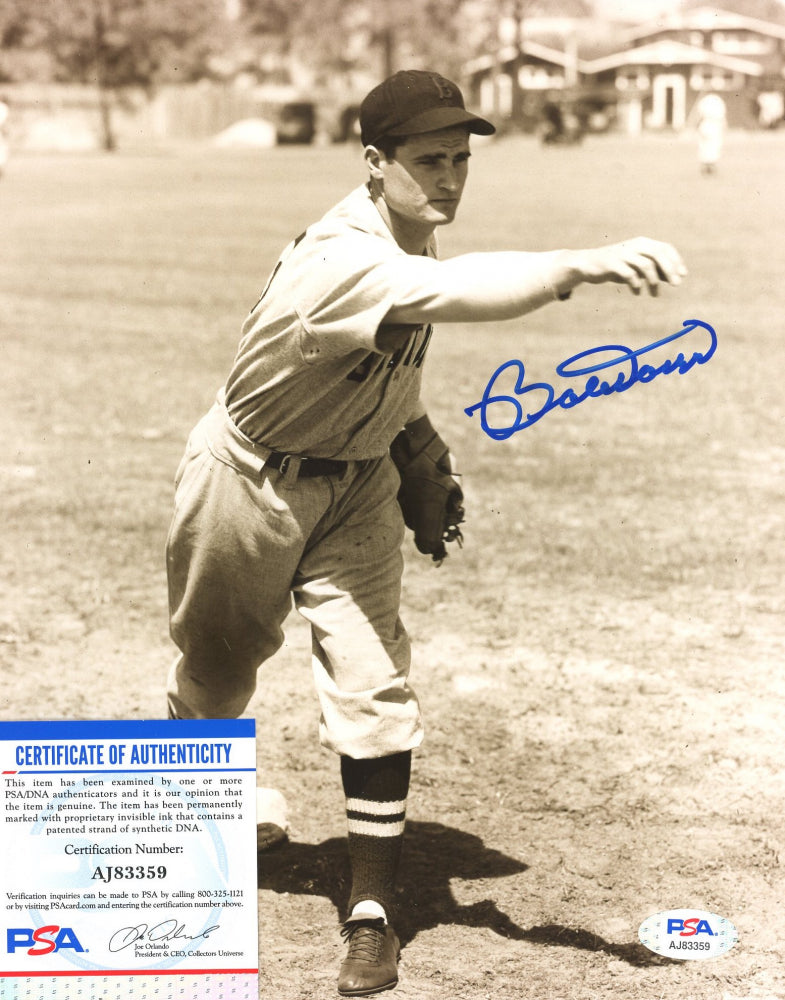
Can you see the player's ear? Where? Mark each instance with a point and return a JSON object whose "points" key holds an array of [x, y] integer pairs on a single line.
{"points": [[374, 157]]}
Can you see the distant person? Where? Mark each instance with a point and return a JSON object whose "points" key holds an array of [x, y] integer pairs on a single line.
{"points": [[4, 114], [553, 123], [289, 493], [560, 126], [711, 120], [771, 109]]}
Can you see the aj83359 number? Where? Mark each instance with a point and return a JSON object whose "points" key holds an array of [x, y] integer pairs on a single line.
{"points": [[119, 872]]}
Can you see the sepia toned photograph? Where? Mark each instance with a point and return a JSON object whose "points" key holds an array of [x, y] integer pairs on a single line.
{"points": [[404, 377]]}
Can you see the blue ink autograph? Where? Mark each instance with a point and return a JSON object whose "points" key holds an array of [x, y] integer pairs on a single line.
{"points": [[593, 387]]}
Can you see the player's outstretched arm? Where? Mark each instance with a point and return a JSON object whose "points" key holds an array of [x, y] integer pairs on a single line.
{"points": [[503, 285]]}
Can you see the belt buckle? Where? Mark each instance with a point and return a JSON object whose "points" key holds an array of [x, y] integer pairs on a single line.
{"points": [[290, 468]]}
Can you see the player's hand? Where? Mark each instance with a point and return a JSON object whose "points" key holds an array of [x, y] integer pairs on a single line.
{"points": [[639, 263]]}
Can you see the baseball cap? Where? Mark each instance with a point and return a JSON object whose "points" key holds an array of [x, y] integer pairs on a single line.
{"points": [[414, 101]]}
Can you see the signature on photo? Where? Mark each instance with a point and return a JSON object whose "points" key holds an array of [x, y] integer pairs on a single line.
{"points": [[510, 414]]}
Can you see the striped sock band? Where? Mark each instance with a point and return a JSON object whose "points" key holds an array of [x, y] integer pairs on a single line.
{"points": [[376, 819], [376, 792]]}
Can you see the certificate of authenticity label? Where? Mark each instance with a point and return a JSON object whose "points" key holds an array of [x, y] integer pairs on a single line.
{"points": [[128, 858]]}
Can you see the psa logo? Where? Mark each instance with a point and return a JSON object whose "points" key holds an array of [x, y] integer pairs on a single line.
{"points": [[686, 934], [42, 940], [687, 928]]}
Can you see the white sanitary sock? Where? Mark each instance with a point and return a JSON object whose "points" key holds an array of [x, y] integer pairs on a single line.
{"points": [[369, 908]]}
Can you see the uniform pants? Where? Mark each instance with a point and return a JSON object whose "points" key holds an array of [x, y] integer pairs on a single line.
{"points": [[245, 542]]}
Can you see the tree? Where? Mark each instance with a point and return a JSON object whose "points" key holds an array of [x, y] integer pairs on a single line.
{"points": [[12, 23], [118, 44], [379, 36], [434, 33]]}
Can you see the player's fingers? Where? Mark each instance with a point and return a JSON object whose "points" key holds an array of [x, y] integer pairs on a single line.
{"points": [[625, 274], [637, 271], [630, 266], [670, 265], [648, 271], [666, 258]]}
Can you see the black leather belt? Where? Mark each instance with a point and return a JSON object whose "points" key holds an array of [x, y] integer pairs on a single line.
{"points": [[308, 466]]}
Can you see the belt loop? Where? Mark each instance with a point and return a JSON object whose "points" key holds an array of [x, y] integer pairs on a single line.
{"points": [[290, 469]]}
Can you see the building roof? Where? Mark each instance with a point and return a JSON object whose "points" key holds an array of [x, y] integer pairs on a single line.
{"points": [[705, 19], [670, 53], [510, 52]]}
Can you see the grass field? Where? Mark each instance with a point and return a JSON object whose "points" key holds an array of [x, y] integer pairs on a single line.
{"points": [[601, 665]]}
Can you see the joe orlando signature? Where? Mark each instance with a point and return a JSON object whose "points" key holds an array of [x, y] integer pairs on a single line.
{"points": [[593, 387], [167, 930]]}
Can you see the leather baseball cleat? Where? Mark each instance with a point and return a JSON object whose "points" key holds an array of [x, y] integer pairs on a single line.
{"points": [[371, 964]]}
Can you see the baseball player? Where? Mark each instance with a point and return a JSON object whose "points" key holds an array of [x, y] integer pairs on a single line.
{"points": [[711, 120], [3, 135], [297, 484]]}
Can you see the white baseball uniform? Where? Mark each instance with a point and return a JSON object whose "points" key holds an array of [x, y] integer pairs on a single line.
{"points": [[318, 376]]}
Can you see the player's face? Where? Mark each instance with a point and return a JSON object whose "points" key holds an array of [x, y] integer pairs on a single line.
{"points": [[423, 184]]}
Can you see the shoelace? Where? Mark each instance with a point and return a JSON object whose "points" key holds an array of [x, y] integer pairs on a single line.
{"points": [[365, 938]]}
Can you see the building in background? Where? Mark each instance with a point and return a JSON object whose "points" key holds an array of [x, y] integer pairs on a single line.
{"points": [[652, 78], [658, 83]]}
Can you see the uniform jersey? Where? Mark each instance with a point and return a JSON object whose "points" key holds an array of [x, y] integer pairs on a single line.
{"points": [[318, 373]]}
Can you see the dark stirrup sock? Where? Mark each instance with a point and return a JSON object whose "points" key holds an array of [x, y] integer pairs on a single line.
{"points": [[376, 790]]}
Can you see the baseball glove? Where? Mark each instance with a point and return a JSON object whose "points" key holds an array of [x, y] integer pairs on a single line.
{"points": [[430, 498]]}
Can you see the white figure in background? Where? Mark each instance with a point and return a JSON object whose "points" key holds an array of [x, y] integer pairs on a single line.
{"points": [[711, 121], [3, 135], [771, 109]]}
